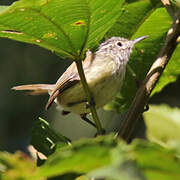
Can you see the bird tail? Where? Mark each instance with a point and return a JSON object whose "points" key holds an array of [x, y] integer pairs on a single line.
{"points": [[36, 89]]}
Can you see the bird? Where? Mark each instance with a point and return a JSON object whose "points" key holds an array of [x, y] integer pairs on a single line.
{"points": [[104, 71]]}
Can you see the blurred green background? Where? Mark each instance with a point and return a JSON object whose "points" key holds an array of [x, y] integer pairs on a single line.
{"points": [[28, 64], [23, 64]]}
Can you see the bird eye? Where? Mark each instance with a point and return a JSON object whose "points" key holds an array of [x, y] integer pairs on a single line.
{"points": [[119, 44]]}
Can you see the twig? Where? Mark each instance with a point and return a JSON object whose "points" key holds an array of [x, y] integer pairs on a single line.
{"points": [[169, 9], [89, 96], [150, 81]]}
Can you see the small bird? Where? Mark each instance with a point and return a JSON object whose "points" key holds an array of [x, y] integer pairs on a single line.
{"points": [[104, 71]]}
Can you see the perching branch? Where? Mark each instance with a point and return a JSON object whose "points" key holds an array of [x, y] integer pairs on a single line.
{"points": [[142, 95], [89, 96], [169, 9]]}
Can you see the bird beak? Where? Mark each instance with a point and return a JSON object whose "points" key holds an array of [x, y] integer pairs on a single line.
{"points": [[139, 39]]}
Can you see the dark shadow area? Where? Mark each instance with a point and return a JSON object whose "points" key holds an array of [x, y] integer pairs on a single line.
{"points": [[7, 2], [22, 63]]}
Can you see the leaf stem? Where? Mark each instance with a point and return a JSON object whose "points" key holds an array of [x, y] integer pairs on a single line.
{"points": [[140, 100], [89, 96]]}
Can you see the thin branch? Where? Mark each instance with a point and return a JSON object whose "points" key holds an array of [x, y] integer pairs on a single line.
{"points": [[169, 9], [142, 95], [89, 96]]}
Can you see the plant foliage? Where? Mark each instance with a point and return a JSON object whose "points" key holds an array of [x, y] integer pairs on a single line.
{"points": [[69, 29]]}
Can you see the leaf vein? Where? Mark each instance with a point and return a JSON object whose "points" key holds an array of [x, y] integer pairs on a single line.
{"points": [[58, 27]]}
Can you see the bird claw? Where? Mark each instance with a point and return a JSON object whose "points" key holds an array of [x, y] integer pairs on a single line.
{"points": [[84, 118]]}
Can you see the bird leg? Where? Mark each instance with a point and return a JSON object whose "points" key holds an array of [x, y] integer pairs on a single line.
{"points": [[84, 118]]}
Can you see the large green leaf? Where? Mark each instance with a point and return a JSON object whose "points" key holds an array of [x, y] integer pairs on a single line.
{"points": [[155, 24], [82, 157], [127, 170], [176, 2], [163, 124], [133, 16], [65, 27], [171, 72], [101, 157], [2, 8], [155, 161], [121, 166], [107, 157]]}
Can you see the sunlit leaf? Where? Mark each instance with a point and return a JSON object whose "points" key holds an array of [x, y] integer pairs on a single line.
{"points": [[82, 157], [68, 28], [163, 124], [171, 72], [2, 8], [156, 161]]}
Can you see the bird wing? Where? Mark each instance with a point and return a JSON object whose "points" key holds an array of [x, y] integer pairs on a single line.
{"points": [[69, 78]]}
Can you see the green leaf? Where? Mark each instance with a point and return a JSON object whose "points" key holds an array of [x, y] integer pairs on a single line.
{"points": [[2, 8], [68, 28], [171, 71], [127, 170], [107, 157], [156, 25], [133, 16], [16, 166], [81, 157], [121, 165], [176, 2], [45, 139], [103, 157], [155, 161], [163, 125]]}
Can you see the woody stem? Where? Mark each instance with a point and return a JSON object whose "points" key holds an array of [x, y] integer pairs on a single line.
{"points": [[89, 96], [148, 84]]}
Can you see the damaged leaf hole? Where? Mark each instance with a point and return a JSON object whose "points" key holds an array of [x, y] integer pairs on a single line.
{"points": [[79, 23]]}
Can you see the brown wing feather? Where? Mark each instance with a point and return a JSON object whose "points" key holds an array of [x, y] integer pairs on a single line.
{"points": [[57, 92]]}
